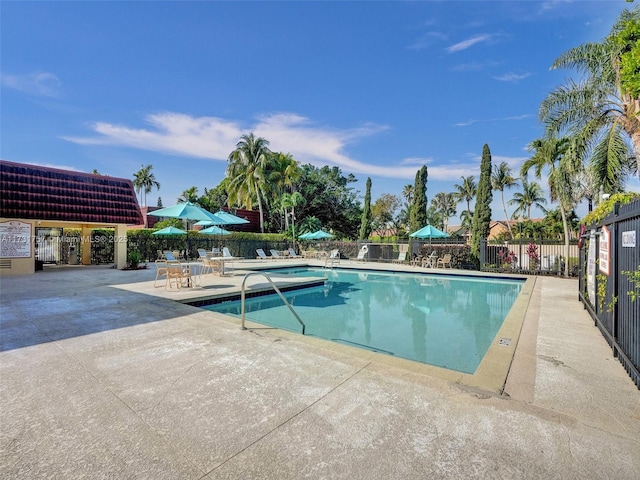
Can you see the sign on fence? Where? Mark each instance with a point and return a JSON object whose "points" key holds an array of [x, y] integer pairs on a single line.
{"points": [[605, 250], [629, 239]]}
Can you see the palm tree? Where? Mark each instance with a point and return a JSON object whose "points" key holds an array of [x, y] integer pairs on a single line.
{"points": [[556, 154], [531, 196], [466, 192], [145, 181], [501, 178], [247, 170], [291, 200], [407, 193], [598, 110], [189, 195], [445, 203]]}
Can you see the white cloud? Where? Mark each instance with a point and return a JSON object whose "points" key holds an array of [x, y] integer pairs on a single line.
{"points": [[469, 43], [512, 77], [214, 138], [40, 84], [426, 40], [512, 118]]}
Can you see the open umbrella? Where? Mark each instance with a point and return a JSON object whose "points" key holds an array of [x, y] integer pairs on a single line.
{"points": [[215, 230], [229, 219], [187, 211], [169, 231], [429, 232], [320, 235]]}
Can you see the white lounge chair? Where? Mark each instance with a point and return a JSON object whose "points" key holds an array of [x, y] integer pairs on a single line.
{"points": [[293, 254], [262, 255], [227, 254], [402, 257], [363, 253], [276, 255]]}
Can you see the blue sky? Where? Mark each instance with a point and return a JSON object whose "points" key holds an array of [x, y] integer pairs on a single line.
{"points": [[376, 88]]}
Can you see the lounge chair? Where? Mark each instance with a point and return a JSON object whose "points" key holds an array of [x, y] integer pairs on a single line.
{"points": [[168, 255], [402, 257], [227, 254], [363, 253], [276, 255], [293, 254], [262, 255], [444, 261]]}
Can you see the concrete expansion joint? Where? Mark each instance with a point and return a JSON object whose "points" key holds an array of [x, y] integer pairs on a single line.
{"points": [[286, 421]]}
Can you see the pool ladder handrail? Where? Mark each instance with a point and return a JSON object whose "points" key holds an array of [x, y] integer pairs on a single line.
{"points": [[275, 287]]}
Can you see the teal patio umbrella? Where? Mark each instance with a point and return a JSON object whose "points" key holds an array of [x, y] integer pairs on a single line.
{"points": [[226, 218], [185, 211], [429, 232], [169, 231], [215, 230], [320, 235]]}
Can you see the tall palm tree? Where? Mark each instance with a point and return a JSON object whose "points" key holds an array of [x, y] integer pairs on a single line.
{"points": [[597, 110], [407, 193], [246, 169], [445, 203], [531, 196], [501, 178], [189, 195], [144, 181], [466, 192], [556, 155], [291, 200]]}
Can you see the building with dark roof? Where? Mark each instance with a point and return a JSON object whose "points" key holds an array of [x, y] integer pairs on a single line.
{"points": [[37, 203]]}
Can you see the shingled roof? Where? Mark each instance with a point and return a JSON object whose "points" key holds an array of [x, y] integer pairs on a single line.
{"points": [[42, 193]]}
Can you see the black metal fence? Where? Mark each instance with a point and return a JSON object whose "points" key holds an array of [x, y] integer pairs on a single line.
{"points": [[530, 256], [609, 285]]}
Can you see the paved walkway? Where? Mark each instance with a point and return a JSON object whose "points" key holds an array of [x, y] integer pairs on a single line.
{"points": [[103, 382]]}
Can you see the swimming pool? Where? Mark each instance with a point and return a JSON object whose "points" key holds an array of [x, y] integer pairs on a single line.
{"points": [[443, 320]]}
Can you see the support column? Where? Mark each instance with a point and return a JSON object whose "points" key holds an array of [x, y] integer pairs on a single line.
{"points": [[120, 246], [86, 246]]}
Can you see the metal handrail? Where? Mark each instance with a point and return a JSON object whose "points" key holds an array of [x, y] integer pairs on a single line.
{"points": [[275, 287]]}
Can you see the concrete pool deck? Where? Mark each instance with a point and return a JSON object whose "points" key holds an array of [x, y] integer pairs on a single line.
{"points": [[103, 376]]}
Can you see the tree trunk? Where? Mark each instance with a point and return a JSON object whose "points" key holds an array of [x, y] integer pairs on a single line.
{"points": [[635, 140], [566, 239], [504, 207]]}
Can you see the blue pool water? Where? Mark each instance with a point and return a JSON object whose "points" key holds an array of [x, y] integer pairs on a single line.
{"points": [[443, 320]]}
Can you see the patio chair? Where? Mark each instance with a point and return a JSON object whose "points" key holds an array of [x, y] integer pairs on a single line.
{"points": [[177, 274], [402, 257], [444, 261], [262, 255], [168, 255], [430, 261], [333, 258], [363, 253], [293, 254], [161, 271]]}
